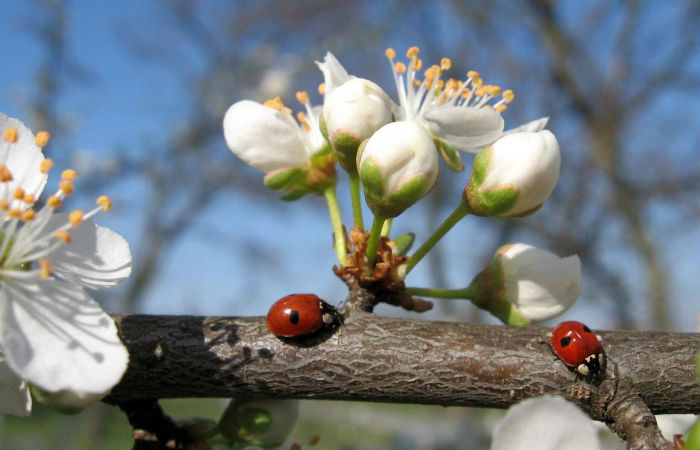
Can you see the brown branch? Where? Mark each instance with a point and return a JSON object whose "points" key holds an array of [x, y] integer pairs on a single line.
{"points": [[372, 358]]}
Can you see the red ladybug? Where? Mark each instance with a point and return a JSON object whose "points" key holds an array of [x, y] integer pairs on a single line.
{"points": [[577, 346], [299, 314]]}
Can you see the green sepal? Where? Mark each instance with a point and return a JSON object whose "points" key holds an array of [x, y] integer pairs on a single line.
{"points": [[285, 178], [489, 294], [409, 193], [450, 155], [495, 202], [371, 177], [322, 127], [345, 146], [320, 158], [293, 195], [693, 441], [404, 243]]}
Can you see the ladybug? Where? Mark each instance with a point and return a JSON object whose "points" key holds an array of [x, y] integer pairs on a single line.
{"points": [[300, 314], [577, 346]]}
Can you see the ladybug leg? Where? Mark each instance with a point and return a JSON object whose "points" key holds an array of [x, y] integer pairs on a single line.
{"points": [[600, 339], [582, 369], [328, 318]]}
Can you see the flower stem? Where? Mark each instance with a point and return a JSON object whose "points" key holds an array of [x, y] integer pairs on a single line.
{"points": [[458, 214], [337, 223], [356, 203], [467, 293], [373, 242], [386, 228]]}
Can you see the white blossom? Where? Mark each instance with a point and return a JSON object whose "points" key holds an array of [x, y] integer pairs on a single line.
{"points": [[53, 334]]}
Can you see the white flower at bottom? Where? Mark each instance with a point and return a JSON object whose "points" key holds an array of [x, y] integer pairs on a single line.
{"points": [[54, 335], [545, 423], [261, 423]]}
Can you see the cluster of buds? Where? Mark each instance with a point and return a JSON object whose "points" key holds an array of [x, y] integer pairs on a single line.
{"points": [[393, 149]]}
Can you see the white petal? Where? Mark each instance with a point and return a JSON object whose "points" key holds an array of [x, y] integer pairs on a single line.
{"points": [[23, 159], [14, 393], [539, 283], [265, 138], [465, 128], [96, 257], [334, 74], [671, 424], [533, 126], [58, 338], [545, 423]]}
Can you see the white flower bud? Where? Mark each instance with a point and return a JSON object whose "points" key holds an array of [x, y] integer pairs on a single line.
{"points": [[515, 175], [539, 284], [546, 423], [260, 423], [266, 138], [352, 112], [398, 166]]}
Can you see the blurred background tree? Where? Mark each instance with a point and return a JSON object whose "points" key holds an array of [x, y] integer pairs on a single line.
{"points": [[134, 95]]}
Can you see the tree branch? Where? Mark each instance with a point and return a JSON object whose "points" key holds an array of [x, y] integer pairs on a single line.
{"points": [[372, 358]]}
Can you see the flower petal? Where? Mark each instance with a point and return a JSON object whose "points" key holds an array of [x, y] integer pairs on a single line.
{"points": [[96, 257], [466, 128], [545, 423], [533, 126], [265, 138], [23, 159], [334, 74], [14, 392], [58, 338]]}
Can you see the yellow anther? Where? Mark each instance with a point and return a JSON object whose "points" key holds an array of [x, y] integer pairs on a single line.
{"points": [[69, 174], [18, 194], [480, 91], [500, 108], [412, 52], [276, 103], [495, 90], [390, 53], [42, 138], [302, 97], [46, 165], [400, 67], [28, 215], [63, 235], [29, 199], [11, 135], [508, 96], [478, 82], [44, 268], [417, 64], [440, 84], [5, 174], [301, 117], [54, 202], [432, 72], [466, 93], [66, 187], [416, 83], [75, 217], [14, 213], [322, 88], [105, 202], [446, 63], [4, 205], [473, 74]]}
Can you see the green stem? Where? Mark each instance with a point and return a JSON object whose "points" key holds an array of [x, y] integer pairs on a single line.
{"points": [[356, 202], [337, 223], [467, 293], [458, 214], [386, 228], [373, 242]]}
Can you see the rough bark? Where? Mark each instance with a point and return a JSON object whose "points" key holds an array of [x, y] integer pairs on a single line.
{"points": [[374, 358]]}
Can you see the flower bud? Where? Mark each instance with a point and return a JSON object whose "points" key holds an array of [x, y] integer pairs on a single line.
{"points": [[398, 166], [260, 423], [514, 176], [524, 282], [352, 112], [66, 401]]}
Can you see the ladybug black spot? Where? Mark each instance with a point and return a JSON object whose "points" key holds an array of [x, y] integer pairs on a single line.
{"points": [[294, 316], [565, 341], [586, 329]]}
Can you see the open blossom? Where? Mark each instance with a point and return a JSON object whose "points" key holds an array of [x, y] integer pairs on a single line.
{"points": [[293, 155], [53, 334]]}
